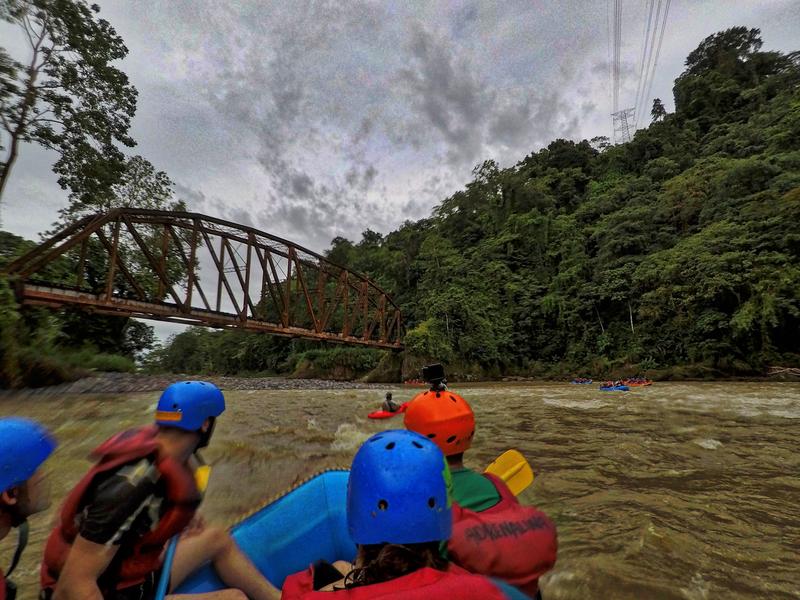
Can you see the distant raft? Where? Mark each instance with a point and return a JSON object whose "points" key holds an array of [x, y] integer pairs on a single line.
{"points": [[385, 414], [614, 388]]}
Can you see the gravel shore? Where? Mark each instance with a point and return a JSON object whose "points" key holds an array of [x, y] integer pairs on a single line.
{"points": [[120, 383]]}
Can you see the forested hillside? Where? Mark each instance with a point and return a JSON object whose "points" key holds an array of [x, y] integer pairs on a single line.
{"points": [[680, 247], [678, 251]]}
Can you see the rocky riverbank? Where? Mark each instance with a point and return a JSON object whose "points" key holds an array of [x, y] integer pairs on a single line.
{"points": [[123, 383]]}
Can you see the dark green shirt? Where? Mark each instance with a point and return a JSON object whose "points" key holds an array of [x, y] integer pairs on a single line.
{"points": [[473, 491]]}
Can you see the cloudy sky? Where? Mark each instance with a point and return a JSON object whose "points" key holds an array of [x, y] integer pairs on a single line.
{"points": [[316, 119], [313, 119]]}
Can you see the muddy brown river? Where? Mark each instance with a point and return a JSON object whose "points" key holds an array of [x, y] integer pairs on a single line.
{"points": [[680, 490]]}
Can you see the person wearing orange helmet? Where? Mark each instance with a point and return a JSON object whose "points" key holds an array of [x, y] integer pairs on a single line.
{"points": [[493, 534]]}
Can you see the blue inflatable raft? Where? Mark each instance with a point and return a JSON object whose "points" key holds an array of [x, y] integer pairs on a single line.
{"points": [[287, 534], [615, 388]]}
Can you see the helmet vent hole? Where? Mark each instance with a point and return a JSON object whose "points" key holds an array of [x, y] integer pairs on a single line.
{"points": [[453, 398], [431, 435], [175, 405], [383, 504], [390, 445], [375, 439], [431, 501], [451, 439], [417, 444]]}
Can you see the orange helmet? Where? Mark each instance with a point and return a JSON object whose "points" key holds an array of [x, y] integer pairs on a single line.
{"points": [[444, 417]]}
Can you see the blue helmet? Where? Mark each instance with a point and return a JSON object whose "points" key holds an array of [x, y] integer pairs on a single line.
{"points": [[24, 446], [187, 404], [398, 491]]}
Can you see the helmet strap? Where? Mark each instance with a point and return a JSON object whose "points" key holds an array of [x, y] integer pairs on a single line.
{"points": [[439, 385], [22, 541], [205, 436], [14, 511]]}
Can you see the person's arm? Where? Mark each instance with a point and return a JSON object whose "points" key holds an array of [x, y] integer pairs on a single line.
{"points": [[85, 563]]}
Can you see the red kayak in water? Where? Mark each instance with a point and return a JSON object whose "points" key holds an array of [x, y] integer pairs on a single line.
{"points": [[385, 414]]}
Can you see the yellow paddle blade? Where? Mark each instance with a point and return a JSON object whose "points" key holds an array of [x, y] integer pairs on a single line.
{"points": [[512, 468], [201, 475]]}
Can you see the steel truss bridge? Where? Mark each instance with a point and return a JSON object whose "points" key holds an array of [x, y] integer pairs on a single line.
{"points": [[193, 269]]}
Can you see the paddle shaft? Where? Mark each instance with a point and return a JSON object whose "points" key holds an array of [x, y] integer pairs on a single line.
{"points": [[163, 582], [202, 473]]}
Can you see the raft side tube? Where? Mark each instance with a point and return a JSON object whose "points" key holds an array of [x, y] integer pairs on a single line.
{"points": [[288, 533]]}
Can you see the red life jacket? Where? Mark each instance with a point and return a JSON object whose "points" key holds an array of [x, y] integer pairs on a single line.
{"points": [[181, 502], [510, 541], [423, 584]]}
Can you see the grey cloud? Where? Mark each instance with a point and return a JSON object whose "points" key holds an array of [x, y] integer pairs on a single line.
{"points": [[195, 199], [368, 176], [352, 177], [627, 69], [588, 107], [465, 18], [511, 123], [241, 216], [446, 93], [301, 185], [361, 178], [363, 131], [319, 118]]}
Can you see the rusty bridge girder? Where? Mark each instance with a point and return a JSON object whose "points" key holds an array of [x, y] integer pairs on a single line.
{"points": [[193, 269]]}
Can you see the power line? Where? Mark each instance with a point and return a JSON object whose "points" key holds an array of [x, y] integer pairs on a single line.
{"points": [[621, 120], [617, 40], [658, 53], [646, 34], [619, 47], [649, 60], [625, 122], [610, 81]]}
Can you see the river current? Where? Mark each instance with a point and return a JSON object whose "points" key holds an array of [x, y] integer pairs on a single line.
{"points": [[680, 490]]}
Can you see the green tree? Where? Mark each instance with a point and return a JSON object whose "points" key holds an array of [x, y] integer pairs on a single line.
{"points": [[66, 95], [658, 111], [139, 185]]}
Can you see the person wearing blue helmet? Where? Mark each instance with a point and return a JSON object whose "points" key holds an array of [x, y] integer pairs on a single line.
{"points": [[115, 524], [398, 513], [24, 446]]}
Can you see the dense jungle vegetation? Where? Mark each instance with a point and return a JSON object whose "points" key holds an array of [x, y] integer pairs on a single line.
{"points": [[678, 251], [676, 254]]}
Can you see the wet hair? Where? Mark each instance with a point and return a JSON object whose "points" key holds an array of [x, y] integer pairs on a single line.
{"points": [[455, 457], [384, 562]]}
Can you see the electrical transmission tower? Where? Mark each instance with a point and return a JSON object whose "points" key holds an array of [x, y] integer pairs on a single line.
{"points": [[623, 122]]}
